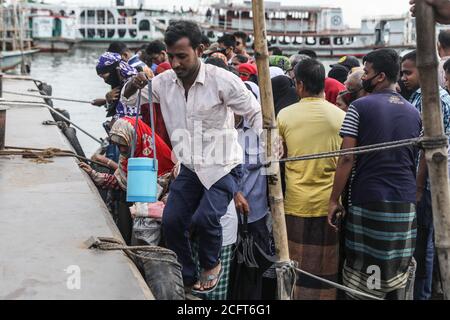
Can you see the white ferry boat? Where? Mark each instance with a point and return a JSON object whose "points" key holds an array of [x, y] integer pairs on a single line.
{"points": [[322, 29]]}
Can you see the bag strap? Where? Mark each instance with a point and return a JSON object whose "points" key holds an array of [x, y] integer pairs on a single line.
{"points": [[152, 121], [138, 111]]}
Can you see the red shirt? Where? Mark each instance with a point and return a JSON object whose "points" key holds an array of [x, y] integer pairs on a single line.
{"points": [[332, 89]]}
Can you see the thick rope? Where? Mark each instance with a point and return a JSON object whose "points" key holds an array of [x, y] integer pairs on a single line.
{"points": [[41, 155], [338, 286], [112, 244]]}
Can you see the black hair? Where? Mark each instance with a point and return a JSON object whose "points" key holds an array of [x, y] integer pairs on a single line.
{"points": [[117, 47], [221, 64], [312, 73], [183, 29], [385, 60], [444, 38], [338, 72], [241, 58], [205, 41], [276, 51], [412, 56], [447, 66], [310, 53], [155, 46], [216, 62], [241, 35], [228, 40]]}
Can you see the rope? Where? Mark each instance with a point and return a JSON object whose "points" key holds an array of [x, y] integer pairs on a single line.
{"points": [[357, 150], [112, 244], [45, 97], [338, 286], [41, 155]]}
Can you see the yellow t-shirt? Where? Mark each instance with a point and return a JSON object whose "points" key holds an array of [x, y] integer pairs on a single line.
{"points": [[308, 127]]}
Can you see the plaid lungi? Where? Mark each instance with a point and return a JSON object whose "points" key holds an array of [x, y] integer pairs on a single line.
{"points": [[314, 245], [221, 291]]}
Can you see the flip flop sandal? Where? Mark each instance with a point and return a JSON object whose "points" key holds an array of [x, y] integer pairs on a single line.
{"points": [[211, 277]]}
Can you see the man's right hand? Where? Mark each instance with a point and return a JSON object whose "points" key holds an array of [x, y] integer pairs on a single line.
{"points": [[113, 95], [441, 8], [98, 102], [140, 80], [241, 203]]}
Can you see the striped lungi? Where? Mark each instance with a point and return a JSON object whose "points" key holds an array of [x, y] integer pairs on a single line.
{"points": [[221, 291], [380, 240], [314, 245]]}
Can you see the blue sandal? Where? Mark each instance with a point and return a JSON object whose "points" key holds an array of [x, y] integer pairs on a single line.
{"points": [[211, 277]]}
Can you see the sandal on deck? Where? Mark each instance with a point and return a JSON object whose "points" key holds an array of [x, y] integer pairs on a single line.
{"points": [[211, 277]]}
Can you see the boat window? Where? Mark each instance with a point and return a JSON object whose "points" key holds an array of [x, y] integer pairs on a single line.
{"points": [[111, 33], [338, 41], [83, 33], [325, 41], [83, 17], [122, 32], [91, 33], [298, 40], [133, 33], [100, 17], [134, 21], [91, 17], [101, 33], [111, 19], [273, 39], [121, 21], [349, 40], [311, 41], [144, 25]]}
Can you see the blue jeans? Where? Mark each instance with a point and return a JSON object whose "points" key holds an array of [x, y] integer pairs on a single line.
{"points": [[191, 207], [424, 253]]}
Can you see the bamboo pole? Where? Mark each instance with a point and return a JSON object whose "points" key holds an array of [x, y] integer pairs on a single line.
{"points": [[427, 64], [265, 84]]}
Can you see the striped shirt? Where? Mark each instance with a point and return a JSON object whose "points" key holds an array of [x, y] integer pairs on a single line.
{"points": [[383, 176]]}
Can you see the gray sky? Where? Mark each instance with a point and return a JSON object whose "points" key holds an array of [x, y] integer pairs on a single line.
{"points": [[354, 10]]}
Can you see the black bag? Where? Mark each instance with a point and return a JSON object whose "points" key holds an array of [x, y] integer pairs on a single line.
{"points": [[249, 263]]}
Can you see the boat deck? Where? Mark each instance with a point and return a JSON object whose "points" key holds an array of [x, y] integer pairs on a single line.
{"points": [[47, 212]]}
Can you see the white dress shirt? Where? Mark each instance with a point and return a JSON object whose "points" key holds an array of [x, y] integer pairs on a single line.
{"points": [[201, 128]]}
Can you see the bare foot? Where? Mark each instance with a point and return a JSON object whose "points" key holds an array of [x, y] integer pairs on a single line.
{"points": [[209, 278]]}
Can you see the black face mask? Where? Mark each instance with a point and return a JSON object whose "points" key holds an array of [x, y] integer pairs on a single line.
{"points": [[113, 79], [367, 84]]}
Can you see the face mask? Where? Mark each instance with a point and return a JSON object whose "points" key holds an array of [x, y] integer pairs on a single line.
{"points": [[367, 84]]}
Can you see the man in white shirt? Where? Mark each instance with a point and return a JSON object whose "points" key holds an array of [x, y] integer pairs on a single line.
{"points": [[197, 103]]}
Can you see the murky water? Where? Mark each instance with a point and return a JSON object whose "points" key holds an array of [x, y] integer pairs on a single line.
{"points": [[73, 75]]}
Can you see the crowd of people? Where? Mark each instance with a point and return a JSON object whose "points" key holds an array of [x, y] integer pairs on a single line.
{"points": [[348, 219]]}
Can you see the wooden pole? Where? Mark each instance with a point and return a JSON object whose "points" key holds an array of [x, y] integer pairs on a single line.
{"points": [[265, 85], [427, 64]]}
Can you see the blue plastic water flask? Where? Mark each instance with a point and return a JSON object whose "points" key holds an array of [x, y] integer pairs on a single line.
{"points": [[142, 179]]}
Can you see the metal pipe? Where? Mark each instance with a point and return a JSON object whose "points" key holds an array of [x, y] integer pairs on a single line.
{"points": [[6, 103], [1, 85], [46, 97]]}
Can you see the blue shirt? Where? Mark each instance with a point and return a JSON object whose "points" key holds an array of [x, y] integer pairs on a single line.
{"points": [[253, 184], [416, 101], [385, 175]]}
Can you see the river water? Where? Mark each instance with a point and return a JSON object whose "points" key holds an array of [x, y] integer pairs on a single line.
{"points": [[73, 75]]}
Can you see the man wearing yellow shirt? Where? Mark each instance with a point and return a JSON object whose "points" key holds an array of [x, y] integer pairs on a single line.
{"points": [[307, 127]]}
